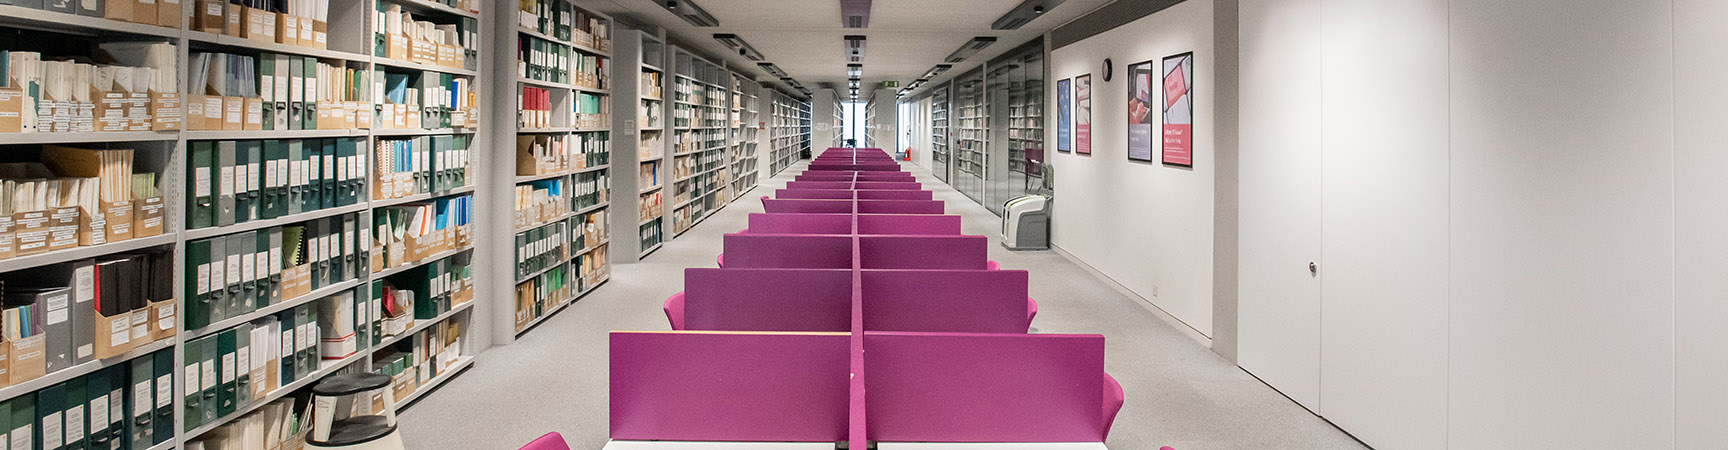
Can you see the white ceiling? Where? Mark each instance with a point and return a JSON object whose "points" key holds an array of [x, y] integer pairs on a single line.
{"points": [[905, 38]]}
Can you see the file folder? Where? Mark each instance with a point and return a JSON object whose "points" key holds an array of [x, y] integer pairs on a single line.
{"points": [[201, 206], [225, 183], [162, 368], [142, 403]]}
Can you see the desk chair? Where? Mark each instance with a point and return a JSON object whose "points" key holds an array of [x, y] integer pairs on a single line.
{"points": [[674, 308], [551, 441], [1113, 399]]}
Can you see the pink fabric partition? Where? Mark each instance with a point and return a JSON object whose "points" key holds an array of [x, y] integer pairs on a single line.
{"points": [[774, 205], [819, 185], [896, 195], [814, 194], [914, 224], [877, 185], [956, 387], [965, 301], [919, 252], [900, 207], [705, 386], [786, 251], [761, 223], [858, 167], [769, 299]]}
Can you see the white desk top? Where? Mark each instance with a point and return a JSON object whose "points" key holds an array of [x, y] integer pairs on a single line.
{"points": [[694, 445], [990, 446]]}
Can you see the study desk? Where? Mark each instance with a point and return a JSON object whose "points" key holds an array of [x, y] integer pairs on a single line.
{"points": [[694, 445], [990, 446]]}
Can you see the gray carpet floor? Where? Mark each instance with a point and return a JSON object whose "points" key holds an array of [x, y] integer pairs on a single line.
{"points": [[1179, 393]]}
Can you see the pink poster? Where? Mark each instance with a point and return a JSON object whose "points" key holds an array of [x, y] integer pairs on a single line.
{"points": [[1083, 114], [1179, 110]]}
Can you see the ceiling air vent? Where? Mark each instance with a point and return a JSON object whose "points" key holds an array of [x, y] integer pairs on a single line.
{"points": [[690, 13], [1024, 13], [855, 13], [970, 48], [855, 48], [735, 43]]}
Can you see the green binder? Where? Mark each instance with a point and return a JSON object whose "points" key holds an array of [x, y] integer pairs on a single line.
{"points": [[141, 405], [77, 437], [23, 421], [201, 209], [162, 368], [50, 417], [197, 284], [207, 375], [225, 346], [192, 391], [96, 409]]}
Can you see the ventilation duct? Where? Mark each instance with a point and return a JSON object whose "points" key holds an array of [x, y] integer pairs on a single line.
{"points": [[855, 49], [855, 13], [735, 43], [970, 48], [690, 13], [1026, 12]]}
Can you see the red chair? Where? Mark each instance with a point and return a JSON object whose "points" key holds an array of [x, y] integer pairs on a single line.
{"points": [[551, 441], [674, 308], [1113, 399]]}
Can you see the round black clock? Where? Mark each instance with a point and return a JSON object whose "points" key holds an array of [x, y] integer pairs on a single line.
{"points": [[1106, 69]]}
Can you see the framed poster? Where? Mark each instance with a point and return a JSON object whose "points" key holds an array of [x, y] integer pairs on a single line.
{"points": [[1179, 110], [1140, 111], [1063, 115], [1083, 114]]}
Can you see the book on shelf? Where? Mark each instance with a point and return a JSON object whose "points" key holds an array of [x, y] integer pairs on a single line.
{"points": [[411, 232]]}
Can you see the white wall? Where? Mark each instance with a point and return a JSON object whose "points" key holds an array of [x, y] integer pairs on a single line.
{"points": [[1383, 293], [1700, 243], [1144, 225], [1520, 241]]}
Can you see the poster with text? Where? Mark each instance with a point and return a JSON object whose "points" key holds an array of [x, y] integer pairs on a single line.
{"points": [[1140, 111], [1063, 115], [1179, 110], [1083, 114]]}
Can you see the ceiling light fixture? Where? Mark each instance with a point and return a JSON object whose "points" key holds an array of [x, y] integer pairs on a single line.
{"points": [[854, 71], [854, 49], [1024, 13], [934, 71], [734, 42], [970, 48], [690, 13], [771, 69]]}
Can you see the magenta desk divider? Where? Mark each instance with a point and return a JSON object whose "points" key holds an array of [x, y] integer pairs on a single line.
{"points": [[768, 299], [788, 251], [819, 185], [860, 167], [918, 224], [706, 386], [896, 195], [955, 387], [900, 207], [761, 223], [919, 252], [963, 301], [861, 185], [807, 206], [814, 194]]}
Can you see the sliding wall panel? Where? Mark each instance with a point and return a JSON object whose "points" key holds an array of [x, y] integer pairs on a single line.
{"points": [[1384, 298], [1700, 225], [1279, 298], [1562, 219]]}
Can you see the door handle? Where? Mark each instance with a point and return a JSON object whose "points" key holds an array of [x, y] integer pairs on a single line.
{"points": [[1313, 269]]}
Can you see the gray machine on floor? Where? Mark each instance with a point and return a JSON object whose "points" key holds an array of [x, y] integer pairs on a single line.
{"points": [[1026, 223]]}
